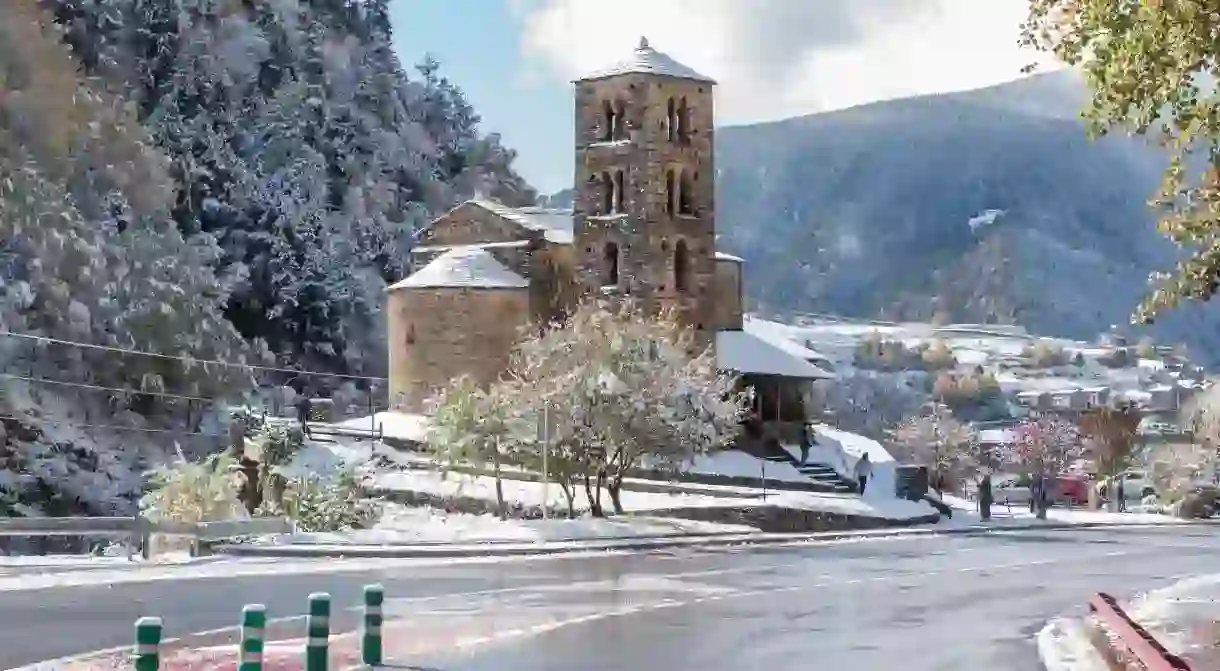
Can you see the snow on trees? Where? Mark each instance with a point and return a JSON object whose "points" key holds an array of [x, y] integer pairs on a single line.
{"points": [[1044, 446], [939, 441], [601, 393]]}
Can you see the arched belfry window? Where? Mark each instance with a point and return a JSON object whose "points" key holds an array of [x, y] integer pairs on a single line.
{"points": [[682, 120], [619, 199], [411, 334], [610, 265], [671, 120], [610, 121], [671, 191], [607, 193], [686, 192], [681, 266]]}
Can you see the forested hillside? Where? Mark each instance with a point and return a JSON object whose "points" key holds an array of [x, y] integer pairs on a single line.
{"points": [[230, 180]]}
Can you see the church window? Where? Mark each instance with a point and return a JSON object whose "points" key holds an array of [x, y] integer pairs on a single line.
{"points": [[686, 192], [671, 120], [610, 276], [682, 121], [411, 335], [607, 194], [610, 121], [618, 192], [671, 191], [681, 266]]}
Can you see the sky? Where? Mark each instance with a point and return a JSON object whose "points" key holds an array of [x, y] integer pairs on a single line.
{"points": [[773, 59]]}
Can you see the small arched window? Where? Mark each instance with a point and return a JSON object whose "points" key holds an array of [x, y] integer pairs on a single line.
{"points": [[681, 266], [671, 120], [610, 267], [686, 191], [610, 121], [671, 186], [682, 119], [411, 334], [619, 198], [607, 194]]}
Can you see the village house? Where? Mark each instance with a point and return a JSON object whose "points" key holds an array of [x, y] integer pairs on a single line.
{"points": [[643, 224]]}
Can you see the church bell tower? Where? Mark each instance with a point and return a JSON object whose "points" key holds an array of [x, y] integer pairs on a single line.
{"points": [[644, 206]]}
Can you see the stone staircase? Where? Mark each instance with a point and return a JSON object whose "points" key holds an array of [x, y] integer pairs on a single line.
{"points": [[819, 473]]}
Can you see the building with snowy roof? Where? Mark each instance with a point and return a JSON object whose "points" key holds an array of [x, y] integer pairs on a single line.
{"points": [[642, 224]]}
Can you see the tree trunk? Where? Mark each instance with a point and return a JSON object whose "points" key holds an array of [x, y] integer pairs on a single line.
{"points": [[495, 465], [595, 507], [615, 487], [570, 497]]}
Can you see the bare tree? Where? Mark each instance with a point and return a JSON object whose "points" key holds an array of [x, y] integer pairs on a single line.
{"points": [[1111, 433]]}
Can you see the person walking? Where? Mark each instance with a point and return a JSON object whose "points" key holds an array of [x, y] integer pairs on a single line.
{"points": [[304, 406], [804, 444], [985, 497], [864, 468], [1120, 493], [1035, 493]]}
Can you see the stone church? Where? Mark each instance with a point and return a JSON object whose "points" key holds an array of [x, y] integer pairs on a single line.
{"points": [[643, 224]]}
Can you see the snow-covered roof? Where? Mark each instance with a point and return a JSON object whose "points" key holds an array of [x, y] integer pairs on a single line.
{"points": [[649, 61], [555, 225], [461, 267], [721, 256], [745, 352], [510, 244]]}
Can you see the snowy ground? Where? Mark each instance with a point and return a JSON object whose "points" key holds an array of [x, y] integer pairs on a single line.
{"points": [[404, 525], [969, 512], [1065, 644], [1185, 617]]}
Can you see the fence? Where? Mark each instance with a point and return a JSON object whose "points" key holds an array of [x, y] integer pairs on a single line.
{"points": [[250, 651], [1132, 641], [136, 531]]}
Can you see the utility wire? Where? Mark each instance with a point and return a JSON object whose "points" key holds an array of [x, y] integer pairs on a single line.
{"points": [[130, 392], [35, 420], [209, 362]]}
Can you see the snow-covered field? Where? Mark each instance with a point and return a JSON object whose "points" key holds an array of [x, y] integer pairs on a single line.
{"points": [[1064, 644]]}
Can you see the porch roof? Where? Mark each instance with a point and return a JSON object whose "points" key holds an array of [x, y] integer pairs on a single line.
{"points": [[745, 353]]}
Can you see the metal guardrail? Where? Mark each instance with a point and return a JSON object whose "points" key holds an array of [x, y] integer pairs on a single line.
{"points": [[1136, 642], [137, 530]]}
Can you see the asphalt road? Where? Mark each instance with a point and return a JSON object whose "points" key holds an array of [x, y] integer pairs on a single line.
{"points": [[935, 603]]}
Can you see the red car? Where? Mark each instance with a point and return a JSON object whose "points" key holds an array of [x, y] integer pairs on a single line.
{"points": [[1072, 490]]}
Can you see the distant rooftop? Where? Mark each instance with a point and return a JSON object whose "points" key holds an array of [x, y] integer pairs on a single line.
{"points": [[463, 267], [648, 61]]}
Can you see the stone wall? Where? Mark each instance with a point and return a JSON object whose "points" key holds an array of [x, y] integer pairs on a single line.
{"points": [[776, 519], [438, 335], [646, 233], [728, 295]]}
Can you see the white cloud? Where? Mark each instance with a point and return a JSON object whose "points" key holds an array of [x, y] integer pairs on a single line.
{"points": [[781, 58]]}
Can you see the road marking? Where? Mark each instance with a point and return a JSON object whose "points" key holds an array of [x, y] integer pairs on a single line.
{"points": [[55, 663]]}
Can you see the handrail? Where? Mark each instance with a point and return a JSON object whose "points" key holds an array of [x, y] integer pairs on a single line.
{"points": [[1134, 638]]}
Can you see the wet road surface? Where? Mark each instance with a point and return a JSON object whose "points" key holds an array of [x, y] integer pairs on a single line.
{"points": [[934, 603]]}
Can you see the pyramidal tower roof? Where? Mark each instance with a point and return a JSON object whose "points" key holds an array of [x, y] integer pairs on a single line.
{"points": [[649, 61]]}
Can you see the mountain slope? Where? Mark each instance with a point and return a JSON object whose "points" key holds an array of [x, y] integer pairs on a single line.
{"points": [[989, 205]]}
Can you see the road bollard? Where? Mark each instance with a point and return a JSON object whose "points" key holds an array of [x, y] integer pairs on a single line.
{"points": [[370, 640], [148, 643], [318, 632], [253, 631]]}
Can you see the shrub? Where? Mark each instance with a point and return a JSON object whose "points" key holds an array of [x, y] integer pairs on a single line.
{"points": [[194, 492], [959, 389], [937, 356], [320, 505]]}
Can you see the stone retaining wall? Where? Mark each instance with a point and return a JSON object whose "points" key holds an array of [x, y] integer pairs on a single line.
{"points": [[775, 519]]}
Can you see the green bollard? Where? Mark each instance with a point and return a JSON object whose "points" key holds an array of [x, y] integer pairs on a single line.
{"points": [[148, 643], [370, 640], [317, 632], [253, 629]]}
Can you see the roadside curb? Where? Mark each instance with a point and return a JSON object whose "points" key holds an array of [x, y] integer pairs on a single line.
{"points": [[500, 549]]}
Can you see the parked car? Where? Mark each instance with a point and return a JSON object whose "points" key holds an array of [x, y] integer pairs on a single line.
{"points": [[1136, 485], [1071, 490], [1011, 490]]}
